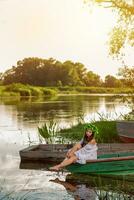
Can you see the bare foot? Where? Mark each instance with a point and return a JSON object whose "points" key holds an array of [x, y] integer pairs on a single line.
{"points": [[55, 168]]}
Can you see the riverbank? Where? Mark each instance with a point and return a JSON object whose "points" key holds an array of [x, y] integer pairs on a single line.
{"points": [[107, 132], [18, 89]]}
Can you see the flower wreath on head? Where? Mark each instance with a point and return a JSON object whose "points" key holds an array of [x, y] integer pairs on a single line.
{"points": [[93, 128]]}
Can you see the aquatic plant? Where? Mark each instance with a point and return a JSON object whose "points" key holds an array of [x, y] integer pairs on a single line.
{"points": [[48, 131], [129, 102]]}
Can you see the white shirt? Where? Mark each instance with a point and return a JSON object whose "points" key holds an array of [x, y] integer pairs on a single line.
{"points": [[88, 152]]}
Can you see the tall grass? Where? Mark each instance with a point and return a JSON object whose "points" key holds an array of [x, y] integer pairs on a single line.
{"points": [[107, 132], [18, 89], [48, 132]]}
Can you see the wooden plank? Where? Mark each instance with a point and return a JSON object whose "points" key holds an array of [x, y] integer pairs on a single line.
{"points": [[31, 148], [103, 146], [115, 147], [53, 151], [125, 128], [111, 159], [42, 154], [51, 147]]}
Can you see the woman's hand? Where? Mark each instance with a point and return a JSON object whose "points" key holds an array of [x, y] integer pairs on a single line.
{"points": [[69, 154], [75, 148]]}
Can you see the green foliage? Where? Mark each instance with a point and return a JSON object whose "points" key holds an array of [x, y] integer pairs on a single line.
{"points": [[35, 91], [92, 79], [107, 132], [43, 131], [117, 40], [67, 88], [111, 81], [103, 90], [91, 89], [74, 133], [45, 72], [59, 83], [18, 88], [49, 133], [123, 32], [129, 116], [26, 90], [127, 75], [49, 92], [129, 102], [1, 90], [92, 127], [50, 73]]}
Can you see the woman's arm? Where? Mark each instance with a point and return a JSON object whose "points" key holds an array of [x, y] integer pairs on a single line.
{"points": [[75, 148]]}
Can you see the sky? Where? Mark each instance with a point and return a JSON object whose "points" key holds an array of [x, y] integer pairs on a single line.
{"points": [[61, 29]]}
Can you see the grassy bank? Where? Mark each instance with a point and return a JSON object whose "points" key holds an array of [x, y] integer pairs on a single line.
{"points": [[17, 89], [95, 90], [26, 90], [107, 132]]}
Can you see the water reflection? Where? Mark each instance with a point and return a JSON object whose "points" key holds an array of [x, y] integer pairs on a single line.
{"points": [[82, 186], [26, 184], [21, 117], [96, 188], [79, 192]]}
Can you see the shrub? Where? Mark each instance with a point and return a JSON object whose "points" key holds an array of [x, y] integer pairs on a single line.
{"points": [[35, 91], [18, 88], [49, 92]]}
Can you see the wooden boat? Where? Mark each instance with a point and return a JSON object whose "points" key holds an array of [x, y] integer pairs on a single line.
{"points": [[107, 164], [125, 131], [46, 153], [113, 159]]}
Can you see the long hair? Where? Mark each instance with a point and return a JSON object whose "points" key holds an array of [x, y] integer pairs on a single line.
{"points": [[87, 139]]}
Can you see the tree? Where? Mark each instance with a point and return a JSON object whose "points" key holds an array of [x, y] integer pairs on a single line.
{"points": [[1, 77], [127, 75], [111, 81], [92, 79], [123, 32], [45, 72], [70, 74]]}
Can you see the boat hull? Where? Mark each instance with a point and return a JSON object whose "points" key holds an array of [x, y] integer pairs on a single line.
{"points": [[113, 159], [122, 167], [125, 131], [55, 153], [126, 139]]}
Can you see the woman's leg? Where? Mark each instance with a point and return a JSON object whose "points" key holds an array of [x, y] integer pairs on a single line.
{"points": [[64, 163], [75, 148]]}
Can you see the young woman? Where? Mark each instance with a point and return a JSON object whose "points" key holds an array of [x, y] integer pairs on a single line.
{"points": [[85, 150]]}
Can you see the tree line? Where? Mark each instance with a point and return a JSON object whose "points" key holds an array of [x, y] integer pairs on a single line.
{"points": [[50, 72]]}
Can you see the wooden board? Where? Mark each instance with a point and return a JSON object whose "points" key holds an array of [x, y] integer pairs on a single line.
{"points": [[55, 153], [125, 131]]}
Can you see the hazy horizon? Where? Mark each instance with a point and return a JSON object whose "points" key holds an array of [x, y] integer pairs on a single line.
{"points": [[62, 29]]}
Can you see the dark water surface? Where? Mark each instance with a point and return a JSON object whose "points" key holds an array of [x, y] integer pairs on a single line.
{"points": [[19, 120]]}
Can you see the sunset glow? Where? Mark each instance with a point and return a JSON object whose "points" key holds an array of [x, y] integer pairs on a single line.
{"points": [[62, 29]]}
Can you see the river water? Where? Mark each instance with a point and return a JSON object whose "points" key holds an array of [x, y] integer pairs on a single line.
{"points": [[19, 119]]}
